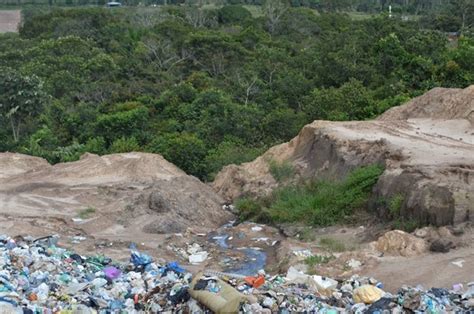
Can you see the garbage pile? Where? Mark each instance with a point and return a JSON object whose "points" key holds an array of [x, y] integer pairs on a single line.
{"points": [[37, 276]]}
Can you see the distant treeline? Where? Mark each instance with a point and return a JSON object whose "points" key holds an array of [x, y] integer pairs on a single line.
{"points": [[405, 6], [206, 87]]}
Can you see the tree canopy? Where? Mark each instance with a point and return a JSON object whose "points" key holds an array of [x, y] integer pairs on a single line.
{"points": [[207, 86]]}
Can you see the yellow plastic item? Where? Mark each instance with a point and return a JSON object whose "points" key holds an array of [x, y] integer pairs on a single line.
{"points": [[367, 294]]}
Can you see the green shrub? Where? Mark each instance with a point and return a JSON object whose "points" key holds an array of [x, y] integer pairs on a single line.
{"points": [[247, 207], [407, 225], [87, 212], [124, 145], [228, 152], [332, 245], [185, 150], [317, 203], [395, 205], [281, 171], [233, 14], [323, 203], [255, 210], [95, 145], [69, 153], [314, 260]]}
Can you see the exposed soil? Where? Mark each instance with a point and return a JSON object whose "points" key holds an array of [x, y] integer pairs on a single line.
{"points": [[9, 20], [426, 146]]}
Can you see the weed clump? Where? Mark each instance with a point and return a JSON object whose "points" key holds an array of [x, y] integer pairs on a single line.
{"points": [[317, 203]]}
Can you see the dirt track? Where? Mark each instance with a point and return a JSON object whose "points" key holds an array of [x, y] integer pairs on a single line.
{"points": [[9, 20]]}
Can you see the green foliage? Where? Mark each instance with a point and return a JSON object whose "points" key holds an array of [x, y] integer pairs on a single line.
{"points": [[185, 150], [395, 205], [22, 99], [316, 203], [234, 82], [69, 153], [86, 213], [127, 123], [315, 260], [352, 101], [230, 151], [281, 171], [324, 203], [231, 14], [124, 145], [95, 145], [408, 225], [248, 208], [332, 245]]}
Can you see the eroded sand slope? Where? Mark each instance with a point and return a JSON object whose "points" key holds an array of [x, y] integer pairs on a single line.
{"points": [[129, 197], [426, 146]]}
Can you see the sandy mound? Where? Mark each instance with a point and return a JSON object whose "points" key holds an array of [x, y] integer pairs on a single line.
{"points": [[127, 196], [429, 160], [439, 104]]}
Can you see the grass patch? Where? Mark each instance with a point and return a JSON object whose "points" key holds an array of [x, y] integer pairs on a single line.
{"points": [[307, 235], [324, 203], [395, 205], [281, 171], [407, 225], [86, 213], [315, 260], [317, 203], [332, 245]]}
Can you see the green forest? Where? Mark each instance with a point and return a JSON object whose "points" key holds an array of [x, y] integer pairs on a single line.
{"points": [[208, 85]]}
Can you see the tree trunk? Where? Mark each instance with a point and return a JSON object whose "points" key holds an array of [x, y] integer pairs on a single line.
{"points": [[15, 131]]}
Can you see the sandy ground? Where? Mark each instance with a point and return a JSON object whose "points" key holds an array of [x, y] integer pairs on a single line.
{"points": [[431, 270], [9, 20]]}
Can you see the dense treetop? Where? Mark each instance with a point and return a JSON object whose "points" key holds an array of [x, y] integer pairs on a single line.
{"points": [[210, 85]]}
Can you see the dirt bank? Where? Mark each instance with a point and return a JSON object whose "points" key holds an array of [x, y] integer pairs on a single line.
{"points": [[9, 20], [426, 146]]}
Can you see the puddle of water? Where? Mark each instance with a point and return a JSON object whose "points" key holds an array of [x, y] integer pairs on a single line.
{"points": [[255, 260]]}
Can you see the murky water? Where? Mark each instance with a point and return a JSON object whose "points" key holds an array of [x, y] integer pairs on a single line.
{"points": [[254, 261]]}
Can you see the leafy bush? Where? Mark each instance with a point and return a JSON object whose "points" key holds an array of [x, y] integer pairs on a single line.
{"points": [[324, 203], [281, 171], [314, 260], [124, 145], [69, 153], [248, 208], [317, 203], [232, 151], [87, 212], [408, 225], [120, 124], [233, 14], [185, 150], [395, 205]]}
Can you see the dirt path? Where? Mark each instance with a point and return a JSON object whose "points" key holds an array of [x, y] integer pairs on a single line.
{"points": [[9, 20], [431, 270]]}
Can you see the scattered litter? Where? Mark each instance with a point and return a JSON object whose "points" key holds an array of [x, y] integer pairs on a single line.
{"points": [[303, 253], [198, 257], [458, 263], [257, 228], [367, 294], [354, 264], [37, 276]]}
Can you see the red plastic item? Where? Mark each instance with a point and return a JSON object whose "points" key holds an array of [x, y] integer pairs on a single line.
{"points": [[255, 281]]}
